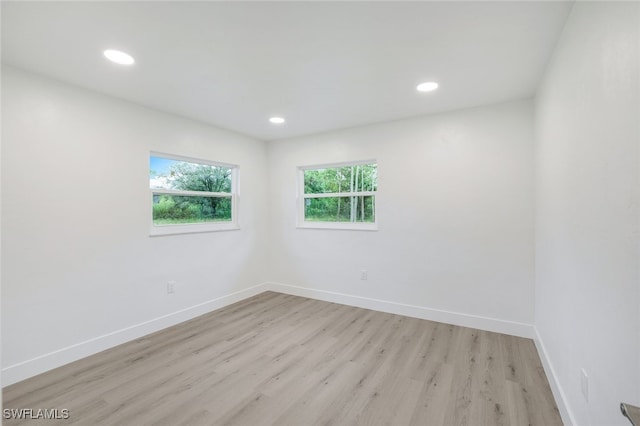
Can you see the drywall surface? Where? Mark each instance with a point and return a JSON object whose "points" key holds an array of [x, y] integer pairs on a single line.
{"points": [[455, 213], [587, 140], [78, 262], [1, 381]]}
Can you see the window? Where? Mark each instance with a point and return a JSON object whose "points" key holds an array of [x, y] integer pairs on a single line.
{"points": [[190, 195], [338, 196]]}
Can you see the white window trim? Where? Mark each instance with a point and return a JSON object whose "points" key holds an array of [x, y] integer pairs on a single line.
{"points": [[349, 226], [191, 228]]}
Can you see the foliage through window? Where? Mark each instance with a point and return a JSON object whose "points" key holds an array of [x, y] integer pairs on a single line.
{"points": [[343, 195], [191, 192]]}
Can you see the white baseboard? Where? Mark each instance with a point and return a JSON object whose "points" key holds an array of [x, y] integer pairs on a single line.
{"points": [[465, 320], [561, 400], [29, 368]]}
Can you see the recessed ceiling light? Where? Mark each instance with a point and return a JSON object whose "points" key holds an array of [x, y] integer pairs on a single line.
{"points": [[276, 120], [427, 87], [119, 57]]}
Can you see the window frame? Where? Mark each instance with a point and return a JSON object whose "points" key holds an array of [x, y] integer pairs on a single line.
{"points": [[301, 199], [190, 228]]}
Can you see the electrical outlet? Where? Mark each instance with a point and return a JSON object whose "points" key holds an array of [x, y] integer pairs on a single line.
{"points": [[584, 384], [171, 287], [364, 275]]}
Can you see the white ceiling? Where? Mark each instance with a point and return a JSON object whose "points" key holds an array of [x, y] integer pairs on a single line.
{"points": [[321, 65]]}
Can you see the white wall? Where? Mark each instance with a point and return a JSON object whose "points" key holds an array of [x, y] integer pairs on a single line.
{"points": [[78, 263], [587, 290], [455, 208], [1, 379]]}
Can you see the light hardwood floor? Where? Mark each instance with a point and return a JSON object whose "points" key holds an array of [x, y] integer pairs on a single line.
{"points": [[276, 359]]}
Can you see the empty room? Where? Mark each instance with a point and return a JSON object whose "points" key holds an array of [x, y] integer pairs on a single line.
{"points": [[319, 212]]}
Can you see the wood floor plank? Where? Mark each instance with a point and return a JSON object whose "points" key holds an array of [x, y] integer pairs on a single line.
{"points": [[488, 402], [277, 359], [434, 396]]}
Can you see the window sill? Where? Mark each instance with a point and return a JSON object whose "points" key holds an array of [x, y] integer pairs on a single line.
{"points": [[339, 226], [158, 231]]}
